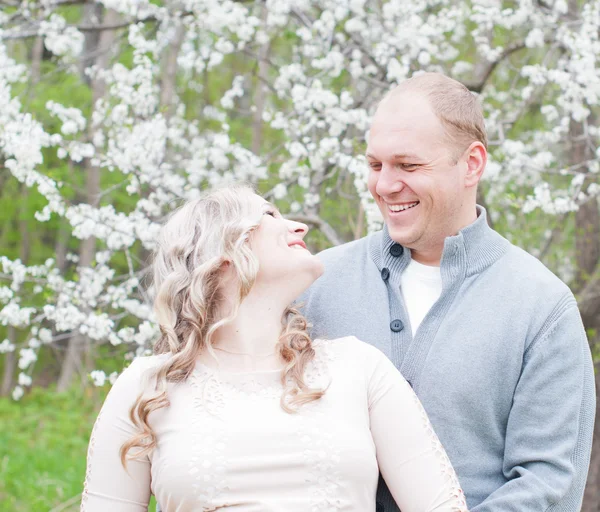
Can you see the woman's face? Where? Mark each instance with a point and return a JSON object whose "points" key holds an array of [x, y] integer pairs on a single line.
{"points": [[282, 254]]}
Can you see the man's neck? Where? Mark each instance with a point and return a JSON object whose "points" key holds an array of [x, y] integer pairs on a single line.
{"points": [[432, 255]]}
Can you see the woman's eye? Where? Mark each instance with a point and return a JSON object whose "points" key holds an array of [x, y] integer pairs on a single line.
{"points": [[270, 212]]}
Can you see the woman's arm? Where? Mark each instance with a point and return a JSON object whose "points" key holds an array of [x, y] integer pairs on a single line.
{"points": [[411, 458], [108, 486]]}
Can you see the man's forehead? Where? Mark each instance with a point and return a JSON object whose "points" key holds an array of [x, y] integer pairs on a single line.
{"points": [[394, 146], [404, 107], [404, 121], [408, 155]]}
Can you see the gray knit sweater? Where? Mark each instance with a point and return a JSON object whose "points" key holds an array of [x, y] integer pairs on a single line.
{"points": [[501, 362]]}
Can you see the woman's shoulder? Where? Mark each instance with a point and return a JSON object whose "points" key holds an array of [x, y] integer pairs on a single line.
{"points": [[141, 369], [142, 364]]}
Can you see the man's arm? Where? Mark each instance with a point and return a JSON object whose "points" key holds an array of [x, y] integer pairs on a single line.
{"points": [[550, 427]]}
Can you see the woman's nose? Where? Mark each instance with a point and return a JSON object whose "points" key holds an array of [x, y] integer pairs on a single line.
{"points": [[298, 227]]}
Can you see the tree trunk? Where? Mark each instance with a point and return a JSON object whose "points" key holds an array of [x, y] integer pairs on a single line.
{"points": [[591, 498], [360, 222], [168, 90], [36, 59], [10, 360], [587, 218], [92, 14], [259, 94], [586, 284], [79, 344]]}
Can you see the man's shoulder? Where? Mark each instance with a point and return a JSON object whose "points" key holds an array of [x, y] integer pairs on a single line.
{"points": [[530, 271]]}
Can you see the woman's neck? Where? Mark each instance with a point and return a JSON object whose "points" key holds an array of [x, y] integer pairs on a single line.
{"points": [[256, 328]]}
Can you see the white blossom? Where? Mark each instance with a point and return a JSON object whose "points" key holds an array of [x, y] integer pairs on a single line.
{"points": [[98, 377], [279, 191], [6, 346], [27, 357], [17, 393], [59, 38], [24, 380]]}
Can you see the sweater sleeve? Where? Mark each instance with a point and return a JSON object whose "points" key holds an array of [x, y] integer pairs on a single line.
{"points": [[411, 458], [108, 485], [548, 443]]}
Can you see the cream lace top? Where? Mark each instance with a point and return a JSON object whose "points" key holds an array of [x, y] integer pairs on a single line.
{"points": [[225, 443]]}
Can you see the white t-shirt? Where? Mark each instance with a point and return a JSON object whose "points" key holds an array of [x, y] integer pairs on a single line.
{"points": [[421, 286]]}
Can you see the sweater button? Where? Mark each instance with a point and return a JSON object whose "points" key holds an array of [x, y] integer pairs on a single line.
{"points": [[396, 250], [385, 274], [396, 325]]}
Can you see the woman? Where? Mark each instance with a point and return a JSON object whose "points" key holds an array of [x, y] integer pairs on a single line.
{"points": [[239, 409]]}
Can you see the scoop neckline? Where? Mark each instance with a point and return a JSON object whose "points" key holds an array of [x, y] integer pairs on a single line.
{"points": [[249, 373]]}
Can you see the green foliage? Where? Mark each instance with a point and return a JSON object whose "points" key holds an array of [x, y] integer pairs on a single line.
{"points": [[44, 445]]}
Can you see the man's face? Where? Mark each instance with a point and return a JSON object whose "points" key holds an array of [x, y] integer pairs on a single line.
{"points": [[414, 177]]}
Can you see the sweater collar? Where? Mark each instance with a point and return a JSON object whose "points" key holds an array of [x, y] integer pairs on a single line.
{"points": [[472, 250]]}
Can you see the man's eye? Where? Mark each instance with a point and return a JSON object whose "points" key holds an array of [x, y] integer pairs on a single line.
{"points": [[375, 166], [408, 167]]}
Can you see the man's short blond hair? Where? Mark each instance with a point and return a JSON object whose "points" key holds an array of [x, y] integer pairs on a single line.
{"points": [[456, 107]]}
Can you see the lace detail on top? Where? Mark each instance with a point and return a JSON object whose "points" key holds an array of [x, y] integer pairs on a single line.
{"points": [[88, 471], [316, 373], [208, 441], [447, 470], [257, 385], [321, 454]]}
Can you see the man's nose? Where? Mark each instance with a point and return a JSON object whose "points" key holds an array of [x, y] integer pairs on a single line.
{"points": [[389, 182]]}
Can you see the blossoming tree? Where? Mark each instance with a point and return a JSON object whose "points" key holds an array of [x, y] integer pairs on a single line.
{"points": [[147, 103]]}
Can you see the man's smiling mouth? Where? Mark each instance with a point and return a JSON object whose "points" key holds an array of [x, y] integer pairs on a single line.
{"points": [[395, 208]]}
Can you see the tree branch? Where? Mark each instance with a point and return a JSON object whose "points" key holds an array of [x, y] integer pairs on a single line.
{"points": [[480, 84], [115, 26]]}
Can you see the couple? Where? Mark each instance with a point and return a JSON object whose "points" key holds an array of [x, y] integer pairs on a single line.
{"points": [[241, 409]]}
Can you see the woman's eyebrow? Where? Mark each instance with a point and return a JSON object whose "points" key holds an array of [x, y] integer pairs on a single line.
{"points": [[268, 206]]}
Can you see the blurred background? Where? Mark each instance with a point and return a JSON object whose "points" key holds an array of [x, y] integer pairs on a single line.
{"points": [[113, 111]]}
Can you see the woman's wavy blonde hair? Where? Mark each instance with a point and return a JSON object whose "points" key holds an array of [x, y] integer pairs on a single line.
{"points": [[195, 242]]}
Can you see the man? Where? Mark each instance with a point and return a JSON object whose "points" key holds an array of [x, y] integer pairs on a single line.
{"points": [[490, 340]]}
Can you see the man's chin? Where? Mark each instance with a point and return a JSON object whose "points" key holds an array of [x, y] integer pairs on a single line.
{"points": [[403, 237]]}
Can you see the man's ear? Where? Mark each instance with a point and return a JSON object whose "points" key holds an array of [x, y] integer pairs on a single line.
{"points": [[475, 159]]}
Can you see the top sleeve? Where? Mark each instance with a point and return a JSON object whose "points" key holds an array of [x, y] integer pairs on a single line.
{"points": [[550, 426], [108, 485], [411, 458]]}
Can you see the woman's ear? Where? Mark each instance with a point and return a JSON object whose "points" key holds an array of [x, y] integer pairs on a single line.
{"points": [[476, 159], [225, 267]]}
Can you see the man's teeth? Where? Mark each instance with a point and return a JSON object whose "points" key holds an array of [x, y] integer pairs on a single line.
{"points": [[401, 207]]}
